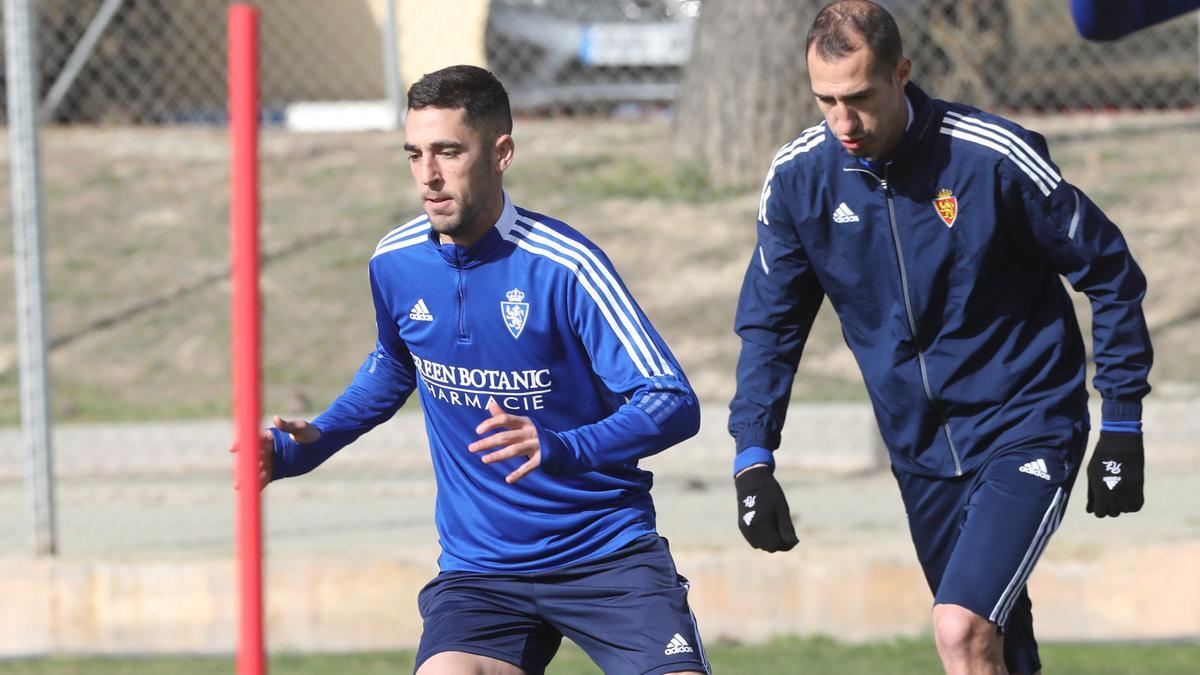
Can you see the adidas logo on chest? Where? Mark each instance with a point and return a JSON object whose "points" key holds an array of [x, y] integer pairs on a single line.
{"points": [[843, 214], [420, 312]]}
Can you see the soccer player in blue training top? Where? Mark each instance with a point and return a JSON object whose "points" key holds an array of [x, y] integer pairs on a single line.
{"points": [[542, 384], [939, 233]]}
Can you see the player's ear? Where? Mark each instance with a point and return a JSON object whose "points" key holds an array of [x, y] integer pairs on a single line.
{"points": [[903, 71], [505, 148]]}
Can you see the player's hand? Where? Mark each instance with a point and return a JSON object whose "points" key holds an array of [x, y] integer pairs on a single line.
{"points": [[266, 457], [300, 431], [520, 440], [1116, 475], [763, 514]]}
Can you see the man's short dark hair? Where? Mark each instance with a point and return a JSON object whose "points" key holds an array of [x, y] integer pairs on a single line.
{"points": [[470, 88], [841, 27]]}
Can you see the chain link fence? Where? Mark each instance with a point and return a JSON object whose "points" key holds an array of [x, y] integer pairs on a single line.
{"points": [[1025, 55], [159, 62], [135, 164]]}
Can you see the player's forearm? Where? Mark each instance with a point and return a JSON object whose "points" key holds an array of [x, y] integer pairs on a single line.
{"points": [[764, 387], [645, 426], [340, 425], [1120, 337], [1123, 356], [1091, 252], [378, 390], [773, 324]]}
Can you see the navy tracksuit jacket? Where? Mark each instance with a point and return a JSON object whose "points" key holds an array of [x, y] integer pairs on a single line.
{"points": [[944, 269]]}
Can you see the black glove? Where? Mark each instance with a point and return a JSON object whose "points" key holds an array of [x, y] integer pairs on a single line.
{"points": [[1116, 475], [763, 515]]}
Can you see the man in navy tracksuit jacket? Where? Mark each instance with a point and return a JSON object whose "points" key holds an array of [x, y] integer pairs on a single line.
{"points": [[939, 233], [542, 384]]}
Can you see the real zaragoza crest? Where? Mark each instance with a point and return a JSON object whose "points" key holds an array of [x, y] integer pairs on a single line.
{"points": [[515, 312], [946, 205]]}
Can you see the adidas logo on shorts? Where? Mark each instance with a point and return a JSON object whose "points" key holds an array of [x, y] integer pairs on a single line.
{"points": [[1036, 468], [677, 645]]}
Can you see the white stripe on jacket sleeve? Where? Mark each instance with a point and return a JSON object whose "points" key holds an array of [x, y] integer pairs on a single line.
{"points": [[519, 236], [604, 280]]}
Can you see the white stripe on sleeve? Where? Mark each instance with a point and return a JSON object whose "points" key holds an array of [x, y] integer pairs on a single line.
{"points": [[519, 236], [1030, 154], [415, 225], [808, 139], [604, 280], [966, 135]]}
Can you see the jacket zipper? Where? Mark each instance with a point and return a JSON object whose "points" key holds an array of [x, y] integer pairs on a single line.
{"points": [[462, 304], [912, 322]]}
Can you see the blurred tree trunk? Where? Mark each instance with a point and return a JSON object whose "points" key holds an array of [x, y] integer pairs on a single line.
{"points": [[745, 90]]}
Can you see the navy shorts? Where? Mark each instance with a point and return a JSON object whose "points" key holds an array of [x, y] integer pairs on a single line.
{"points": [[628, 610], [979, 536]]}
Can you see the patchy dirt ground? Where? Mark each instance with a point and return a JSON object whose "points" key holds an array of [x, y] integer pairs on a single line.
{"points": [[136, 251]]}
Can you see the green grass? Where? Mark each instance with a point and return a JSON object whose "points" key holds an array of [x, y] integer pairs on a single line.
{"points": [[784, 656]]}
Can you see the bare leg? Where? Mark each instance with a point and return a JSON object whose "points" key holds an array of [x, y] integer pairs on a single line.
{"points": [[967, 643], [462, 663]]}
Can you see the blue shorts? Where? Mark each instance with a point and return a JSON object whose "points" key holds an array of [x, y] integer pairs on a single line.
{"points": [[979, 536], [628, 610]]}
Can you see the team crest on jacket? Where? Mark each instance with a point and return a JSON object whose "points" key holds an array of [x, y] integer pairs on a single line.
{"points": [[946, 205], [515, 312]]}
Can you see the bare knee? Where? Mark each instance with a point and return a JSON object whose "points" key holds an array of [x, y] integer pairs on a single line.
{"points": [[462, 663], [962, 633]]}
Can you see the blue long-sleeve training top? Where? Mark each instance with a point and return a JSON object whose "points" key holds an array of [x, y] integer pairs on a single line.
{"points": [[1112, 19], [945, 266], [534, 316]]}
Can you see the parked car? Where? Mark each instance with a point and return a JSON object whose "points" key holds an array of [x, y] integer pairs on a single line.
{"points": [[585, 53]]}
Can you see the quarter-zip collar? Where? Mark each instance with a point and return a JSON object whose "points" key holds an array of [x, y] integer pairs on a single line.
{"points": [[483, 250]]}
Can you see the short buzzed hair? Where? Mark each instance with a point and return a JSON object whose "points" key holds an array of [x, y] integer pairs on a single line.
{"points": [[841, 27], [472, 89]]}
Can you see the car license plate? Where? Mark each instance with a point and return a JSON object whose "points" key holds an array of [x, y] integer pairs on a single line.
{"points": [[651, 44]]}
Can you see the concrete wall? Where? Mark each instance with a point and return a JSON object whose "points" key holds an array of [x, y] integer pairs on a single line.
{"points": [[854, 576], [324, 604]]}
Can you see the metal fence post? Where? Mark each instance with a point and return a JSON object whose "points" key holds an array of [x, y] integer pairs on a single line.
{"points": [[391, 65], [27, 243]]}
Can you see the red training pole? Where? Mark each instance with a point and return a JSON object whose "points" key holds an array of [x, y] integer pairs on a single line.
{"points": [[247, 377]]}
